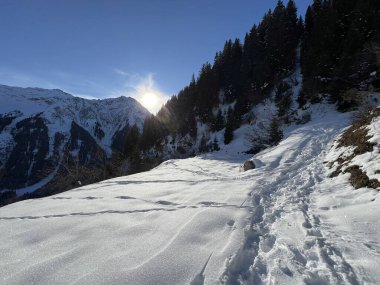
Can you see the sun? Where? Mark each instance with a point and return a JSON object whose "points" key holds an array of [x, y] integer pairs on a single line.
{"points": [[149, 100]]}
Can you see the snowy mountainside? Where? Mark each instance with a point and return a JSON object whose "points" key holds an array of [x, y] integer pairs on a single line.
{"points": [[37, 126], [202, 221], [256, 120]]}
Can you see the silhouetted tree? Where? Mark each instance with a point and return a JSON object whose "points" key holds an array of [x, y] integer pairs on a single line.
{"points": [[275, 132]]}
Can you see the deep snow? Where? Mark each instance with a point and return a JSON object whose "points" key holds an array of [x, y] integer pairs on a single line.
{"points": [[202, 221]]}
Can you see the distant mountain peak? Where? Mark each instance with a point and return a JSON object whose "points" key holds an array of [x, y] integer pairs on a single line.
{"points": [[36, 129]]}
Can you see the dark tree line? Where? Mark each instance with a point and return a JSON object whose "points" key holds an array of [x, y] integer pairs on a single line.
{"points": [[340, 47], [242, 73]]}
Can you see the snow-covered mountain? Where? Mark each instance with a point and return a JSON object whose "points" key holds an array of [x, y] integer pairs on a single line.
{"points": [[40, 128], [203, 221]]}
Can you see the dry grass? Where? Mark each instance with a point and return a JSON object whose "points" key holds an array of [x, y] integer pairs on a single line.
{"points": [[359, 179], [357, 136]]}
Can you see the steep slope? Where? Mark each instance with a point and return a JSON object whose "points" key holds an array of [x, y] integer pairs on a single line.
{"points": [[39, 127], [202, 221]]}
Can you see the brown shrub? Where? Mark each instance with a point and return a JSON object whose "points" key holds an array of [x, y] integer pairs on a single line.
{"points": [[357, 136]]}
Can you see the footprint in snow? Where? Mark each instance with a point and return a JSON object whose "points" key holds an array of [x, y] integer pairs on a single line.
{"points": [[268, 243], [211, 204], [314, 233], [162, 202], [61, 198], [324, 208], [125, 197], [91, 198], [306, 224], [286, 271]]}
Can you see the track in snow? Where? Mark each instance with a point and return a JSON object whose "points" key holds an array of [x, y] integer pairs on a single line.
{"points": [[283, 242]]}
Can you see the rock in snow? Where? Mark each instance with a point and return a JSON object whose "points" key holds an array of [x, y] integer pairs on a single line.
{"points": [[248, 165]]}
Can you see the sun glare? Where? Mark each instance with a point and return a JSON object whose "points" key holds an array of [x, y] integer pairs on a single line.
{"points": [[150, 101]]}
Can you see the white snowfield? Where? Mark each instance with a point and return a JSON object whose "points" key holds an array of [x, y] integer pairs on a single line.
{"points": [[201, 221]]}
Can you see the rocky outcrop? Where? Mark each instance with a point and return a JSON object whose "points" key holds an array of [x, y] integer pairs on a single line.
{"points": [[27, 161], [248, 165]]}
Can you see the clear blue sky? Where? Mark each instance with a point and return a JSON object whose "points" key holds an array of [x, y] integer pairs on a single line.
{"points": [[113, 47]]}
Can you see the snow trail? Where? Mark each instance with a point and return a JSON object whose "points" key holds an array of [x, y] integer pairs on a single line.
{"points": [[283, 242]]}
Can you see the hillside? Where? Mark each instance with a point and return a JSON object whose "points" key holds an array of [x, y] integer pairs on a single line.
{"points": [[203, 221], [264, 169], [335, 46], [45, 132]]}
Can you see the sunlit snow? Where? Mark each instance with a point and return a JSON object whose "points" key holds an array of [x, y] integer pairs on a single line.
{"points": [[203, 221]]}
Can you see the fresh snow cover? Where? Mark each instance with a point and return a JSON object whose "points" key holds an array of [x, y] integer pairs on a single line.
{"points": [[159, 226], [203, 221]]}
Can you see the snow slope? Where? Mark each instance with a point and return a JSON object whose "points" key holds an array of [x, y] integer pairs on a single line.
{"points": [[202, 221], [158, 227]]}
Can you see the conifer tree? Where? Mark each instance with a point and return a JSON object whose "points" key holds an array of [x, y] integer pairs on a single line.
{"points": [[229, 131], [153, 131], [215, 145], [132, 140], [203, 147], [135, 161], [275, 132], [219, 122]]}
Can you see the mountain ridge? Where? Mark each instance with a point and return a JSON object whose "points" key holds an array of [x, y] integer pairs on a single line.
{"points": [[39, 126]]}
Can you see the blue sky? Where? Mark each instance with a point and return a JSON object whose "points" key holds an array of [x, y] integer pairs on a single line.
{"points": [[110, 48]]}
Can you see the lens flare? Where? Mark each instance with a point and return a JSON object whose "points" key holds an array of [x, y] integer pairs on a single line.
{"points": [[149, 101]]}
